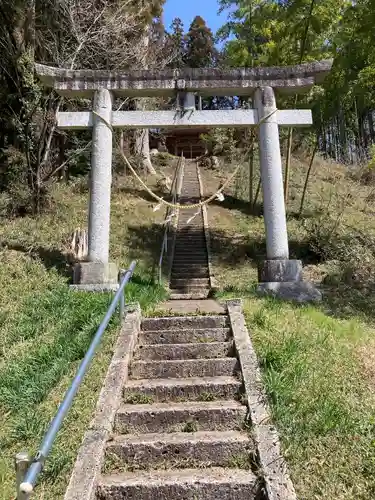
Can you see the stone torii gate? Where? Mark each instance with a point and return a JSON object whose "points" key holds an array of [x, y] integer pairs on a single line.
{"points": [[278, 273]]}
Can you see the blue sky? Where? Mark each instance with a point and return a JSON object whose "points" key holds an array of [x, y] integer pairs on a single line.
{"points": [[188, 9]]}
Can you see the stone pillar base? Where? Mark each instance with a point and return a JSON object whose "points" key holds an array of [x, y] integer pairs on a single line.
{"points": [[280, 271], [283, 279], [95, 277], [297, 291]]}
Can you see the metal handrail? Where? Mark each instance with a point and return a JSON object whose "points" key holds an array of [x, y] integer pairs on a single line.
{"points": [[175, 189], [28, 471]]}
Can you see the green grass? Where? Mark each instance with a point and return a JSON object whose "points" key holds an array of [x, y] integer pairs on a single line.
{"points": [[320, 397], [45, 329], [190, 426], [138, 399], [206, 396]]}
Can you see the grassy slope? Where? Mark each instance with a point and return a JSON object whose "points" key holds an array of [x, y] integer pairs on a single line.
{"points": [[317, 359], [46, 329]]}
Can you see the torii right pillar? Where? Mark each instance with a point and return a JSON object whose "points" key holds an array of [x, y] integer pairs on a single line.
{"points": [[278, 275]]}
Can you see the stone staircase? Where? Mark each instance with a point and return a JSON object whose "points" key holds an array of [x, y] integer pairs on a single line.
{"points": [[190, 277], [181, 431]]}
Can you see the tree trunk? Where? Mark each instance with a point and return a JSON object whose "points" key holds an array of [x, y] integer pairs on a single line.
{"points": [[371, 125], [142, 136], [257, 194], [142, 149], [64, 172], [251, 171], [308, 177]]}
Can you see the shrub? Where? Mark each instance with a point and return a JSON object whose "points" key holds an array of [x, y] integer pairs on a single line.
{"points": [[352, 252]]}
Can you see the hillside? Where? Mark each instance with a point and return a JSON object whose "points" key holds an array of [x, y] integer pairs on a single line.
{"points": [[317, 361], [46, 329], [327, 429]]}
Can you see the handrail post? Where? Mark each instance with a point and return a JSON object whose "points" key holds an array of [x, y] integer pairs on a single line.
{"points": [[21, 462], [29, 475], [175, 187], [122, 298]]}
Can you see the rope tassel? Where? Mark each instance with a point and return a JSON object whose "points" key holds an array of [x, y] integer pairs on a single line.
{"points": [[193, 217], [169, 218]]}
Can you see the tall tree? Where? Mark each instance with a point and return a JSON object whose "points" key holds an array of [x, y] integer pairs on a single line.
{"points": [[145, 60], [68, 33], [200, 45], [177, 43]]}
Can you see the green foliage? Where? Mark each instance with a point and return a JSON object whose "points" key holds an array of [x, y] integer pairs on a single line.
{"points": [[270, 33], [177, 42], [200, 45], [279, 33], [220, 142], [371, 164], [326, 428]]}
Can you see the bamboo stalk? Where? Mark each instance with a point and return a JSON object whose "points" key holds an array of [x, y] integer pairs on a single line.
{"points": [[308, 176]]}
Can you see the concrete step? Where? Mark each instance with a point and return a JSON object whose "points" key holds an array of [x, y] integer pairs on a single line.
{"points": [[191, 248], [194, 247], [186, 232], [191, 213], [194, 264], [190, 260], [190, 282], [186, 243], [194, 224], [179, 450], [185, 264], [175, 389], [184, 351], [183, 240], [193, 272], [192, 268], [186, 284], [182, 295], [191, 254], [189, 293], [180, 417], [196, 235], [188, 216], [185, 322], [183, 484], [182, 336], [186, 289], [191, 275], [184, 368], [192, 236], [200, 273]]}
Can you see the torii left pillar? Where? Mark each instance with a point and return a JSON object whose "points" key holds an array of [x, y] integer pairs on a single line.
{"points": [[97, 273]]}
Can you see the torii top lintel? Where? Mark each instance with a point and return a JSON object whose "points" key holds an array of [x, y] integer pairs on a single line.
{"points": [[206, 81]]}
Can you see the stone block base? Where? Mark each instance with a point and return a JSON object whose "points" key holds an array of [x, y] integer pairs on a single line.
{"points": [[297, 291], [280, 271], [95, 277]]}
